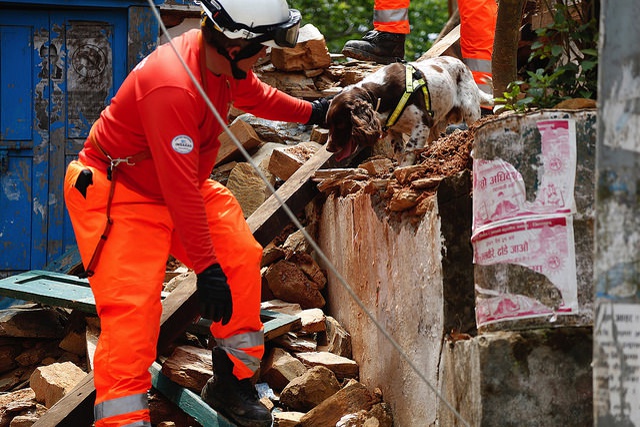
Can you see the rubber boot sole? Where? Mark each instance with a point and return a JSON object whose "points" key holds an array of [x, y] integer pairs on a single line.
{"points": [[363, 55]]}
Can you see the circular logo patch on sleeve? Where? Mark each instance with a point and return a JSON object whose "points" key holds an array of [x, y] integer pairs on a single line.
{"points": [[182, 144]]}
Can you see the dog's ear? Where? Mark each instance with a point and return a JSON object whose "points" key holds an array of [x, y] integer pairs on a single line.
{"points": [[366, 128]]}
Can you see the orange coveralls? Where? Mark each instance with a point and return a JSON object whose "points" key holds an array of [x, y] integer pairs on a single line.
{"points": [[165, 204]]}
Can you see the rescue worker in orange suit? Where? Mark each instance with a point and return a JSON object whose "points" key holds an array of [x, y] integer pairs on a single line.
{"points": [[385, 43], [141, 187]]}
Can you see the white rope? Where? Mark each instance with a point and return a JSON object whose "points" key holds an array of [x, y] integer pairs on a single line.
{"points": [[297, 223]]}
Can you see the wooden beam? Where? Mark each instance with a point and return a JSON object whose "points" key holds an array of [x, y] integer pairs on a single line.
{"points": [[187, 400], [179, 310], [270, 218], [445, 43], [75, 409]]}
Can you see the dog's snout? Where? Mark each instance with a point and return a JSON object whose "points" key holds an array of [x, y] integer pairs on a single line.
{"points": [[331, 147]]}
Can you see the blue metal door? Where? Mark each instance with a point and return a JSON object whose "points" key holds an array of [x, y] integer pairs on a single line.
{"points": [[58, 69]]}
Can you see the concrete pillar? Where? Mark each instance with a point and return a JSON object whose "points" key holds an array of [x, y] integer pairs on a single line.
{"points": [[617, 231]]}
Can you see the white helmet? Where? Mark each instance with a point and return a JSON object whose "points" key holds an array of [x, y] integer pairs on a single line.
{"points": [[269, 22]]}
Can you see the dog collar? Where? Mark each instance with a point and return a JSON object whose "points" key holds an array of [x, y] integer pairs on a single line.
{"points": [[414, 81]]}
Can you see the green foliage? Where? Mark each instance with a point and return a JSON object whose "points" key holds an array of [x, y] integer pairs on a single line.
{"points": [[567, 48], [514, 99], [340, 21]]}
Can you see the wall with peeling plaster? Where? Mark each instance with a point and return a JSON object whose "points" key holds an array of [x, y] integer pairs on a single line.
{"points": [[402, 270]]}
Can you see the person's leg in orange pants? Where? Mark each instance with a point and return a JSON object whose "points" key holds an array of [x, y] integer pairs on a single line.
{"points": [[477, 32], [128, 281], [240, 343], [239, 255], [391, 16], [126, 286], [385, 44]]}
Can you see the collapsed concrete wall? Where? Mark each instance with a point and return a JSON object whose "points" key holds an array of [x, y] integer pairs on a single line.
{"points": [[396, 266], [415, 276], [372, 255]]}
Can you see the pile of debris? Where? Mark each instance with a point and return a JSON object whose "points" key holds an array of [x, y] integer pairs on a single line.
{"points": [[308, 377]]}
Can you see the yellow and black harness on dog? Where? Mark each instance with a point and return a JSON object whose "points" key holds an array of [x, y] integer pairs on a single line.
{"points": [[414, 81]]}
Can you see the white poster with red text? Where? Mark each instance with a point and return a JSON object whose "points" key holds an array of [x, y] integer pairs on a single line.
{"points": [[510, 226]]}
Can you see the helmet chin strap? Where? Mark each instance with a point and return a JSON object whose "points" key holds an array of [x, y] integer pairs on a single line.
{"points": [[244, 53]]}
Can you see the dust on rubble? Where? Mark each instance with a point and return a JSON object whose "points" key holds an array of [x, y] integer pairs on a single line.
{"points": [[410, 189]]}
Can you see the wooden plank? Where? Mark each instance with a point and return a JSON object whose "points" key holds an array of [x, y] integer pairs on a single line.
{"points": [[75, 409], [441, 46], [275, 324], [186, 400], [62, 290], [270, 218], [179, 310]]}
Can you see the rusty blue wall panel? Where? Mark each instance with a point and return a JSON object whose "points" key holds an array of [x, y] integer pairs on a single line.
{"points": [[24, 154], [95, 44], [143, 34], [15, 224], [84, 3], [95, 56], [15, 86], [66, 65]]}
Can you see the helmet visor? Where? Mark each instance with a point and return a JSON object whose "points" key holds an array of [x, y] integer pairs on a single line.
{"points": [[286, 34]]}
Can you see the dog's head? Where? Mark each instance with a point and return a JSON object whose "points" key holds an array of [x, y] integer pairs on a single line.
{"points": [[352, 123]]}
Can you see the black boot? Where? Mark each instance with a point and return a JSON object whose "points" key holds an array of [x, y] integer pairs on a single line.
{"points": [[376, 46], [233, 398]]}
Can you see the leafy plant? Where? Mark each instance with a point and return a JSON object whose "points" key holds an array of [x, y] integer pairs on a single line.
{"points": [[566, 50], [514, 99]]}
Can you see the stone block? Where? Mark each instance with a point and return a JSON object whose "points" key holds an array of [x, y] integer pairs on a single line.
{"points": [[52, 382]]}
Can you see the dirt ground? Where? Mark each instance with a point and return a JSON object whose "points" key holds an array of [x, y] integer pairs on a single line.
{"points": [[451, 153]]}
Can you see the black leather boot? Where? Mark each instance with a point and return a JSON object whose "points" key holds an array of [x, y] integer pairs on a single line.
{"points": [[376, 46], [233, 398]]}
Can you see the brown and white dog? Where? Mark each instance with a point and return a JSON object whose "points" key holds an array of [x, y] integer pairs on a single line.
{"points": [[358, 115]]}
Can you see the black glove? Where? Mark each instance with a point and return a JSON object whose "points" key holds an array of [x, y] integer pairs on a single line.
{"points": [[214, 295], [319, 109]]}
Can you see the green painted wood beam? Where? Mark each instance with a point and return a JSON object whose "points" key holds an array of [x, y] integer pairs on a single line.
{"points": [[185, 399], [63, 290], [50, 288]]}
